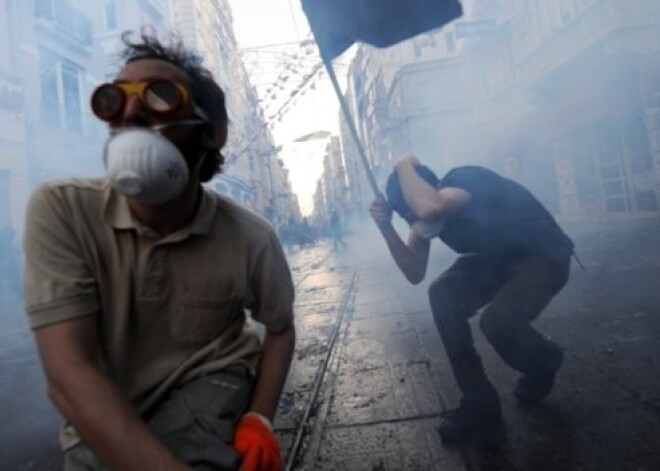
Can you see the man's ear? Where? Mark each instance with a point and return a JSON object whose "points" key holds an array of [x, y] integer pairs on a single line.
{"points": [[216, 136]]}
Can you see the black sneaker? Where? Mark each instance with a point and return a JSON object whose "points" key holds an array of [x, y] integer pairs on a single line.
{"points": [[534, 387], [458, 424]]}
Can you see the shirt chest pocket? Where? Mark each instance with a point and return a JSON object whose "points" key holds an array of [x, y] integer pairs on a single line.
{"points": [[198, 320]]}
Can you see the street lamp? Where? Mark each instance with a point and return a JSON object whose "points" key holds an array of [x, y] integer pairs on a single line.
{"points": [[313, 136]]}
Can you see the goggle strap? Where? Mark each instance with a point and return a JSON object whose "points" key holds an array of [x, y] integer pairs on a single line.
{"points": [[181, 122], [200, 112]]}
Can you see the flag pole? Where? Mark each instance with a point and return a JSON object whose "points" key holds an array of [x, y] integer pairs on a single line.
{"points": [[351, 125]]}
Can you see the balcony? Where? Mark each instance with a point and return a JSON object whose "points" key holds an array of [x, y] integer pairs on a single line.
{"points": [[66, 18], [607, 23]]}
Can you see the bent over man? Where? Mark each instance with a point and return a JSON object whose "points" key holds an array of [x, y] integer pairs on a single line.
{"points": [[514, 259], [137, 286]]}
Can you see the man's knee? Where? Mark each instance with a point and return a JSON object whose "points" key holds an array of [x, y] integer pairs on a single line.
{"points": [[439, 295], [494, 330], [445, 300]]}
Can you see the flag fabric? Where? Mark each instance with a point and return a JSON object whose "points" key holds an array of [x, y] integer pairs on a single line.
{"points": [[337, 24]]}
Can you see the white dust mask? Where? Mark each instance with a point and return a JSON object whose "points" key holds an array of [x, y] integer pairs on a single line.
{"points": [[428, 230], [144, 165]]}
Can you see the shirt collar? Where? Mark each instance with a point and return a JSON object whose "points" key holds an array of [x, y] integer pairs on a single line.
{"points": [[203, 220], [118, 214]]}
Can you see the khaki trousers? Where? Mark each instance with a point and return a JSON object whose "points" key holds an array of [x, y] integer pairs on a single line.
{"points": [[195, 421]]}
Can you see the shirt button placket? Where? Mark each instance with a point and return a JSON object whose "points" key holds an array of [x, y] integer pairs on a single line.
{"points": [[154, 274]]}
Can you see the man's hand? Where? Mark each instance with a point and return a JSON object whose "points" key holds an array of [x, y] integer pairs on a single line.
{"points": [[255, 442], [381, 212]]}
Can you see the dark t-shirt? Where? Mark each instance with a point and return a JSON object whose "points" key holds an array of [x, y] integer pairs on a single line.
{"points": [[502, 218]]}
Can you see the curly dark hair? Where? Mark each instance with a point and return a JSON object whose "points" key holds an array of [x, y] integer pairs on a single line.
{"points": [[206, 92], [395, 196]]}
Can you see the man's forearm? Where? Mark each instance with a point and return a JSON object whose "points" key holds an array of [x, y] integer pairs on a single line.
{"points": [[276, 355], [407, 261], [107, 422], [420, 196]]}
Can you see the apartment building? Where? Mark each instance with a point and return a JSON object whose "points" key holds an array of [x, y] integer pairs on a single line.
{"points": [[562, 95]]}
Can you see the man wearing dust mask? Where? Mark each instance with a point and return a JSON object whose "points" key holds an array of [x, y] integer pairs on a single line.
{"points": [[136, 286], [514, 259]]}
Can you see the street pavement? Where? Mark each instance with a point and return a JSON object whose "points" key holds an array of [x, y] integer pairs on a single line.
{"points": [[369, 377], [387, 379]]}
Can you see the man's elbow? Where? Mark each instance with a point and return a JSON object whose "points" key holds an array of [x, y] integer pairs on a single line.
{"points": [[290, 333], [415, 278], [62, 393], [285, 336]]}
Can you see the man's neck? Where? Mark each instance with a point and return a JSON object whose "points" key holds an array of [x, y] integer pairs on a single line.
{"points": [[169, 217]]}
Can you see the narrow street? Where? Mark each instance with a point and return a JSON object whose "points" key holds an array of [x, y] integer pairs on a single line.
{"points": [[370, 378], [387, 380]]}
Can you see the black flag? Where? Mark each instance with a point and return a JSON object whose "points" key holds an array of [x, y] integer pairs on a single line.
{"points": [[337, 24]]}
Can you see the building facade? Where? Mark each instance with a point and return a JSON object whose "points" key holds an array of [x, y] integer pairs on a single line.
{"points": [[562, 95], [14, 179], [251, 158], [52, 55], [332, 189], [414, 97], [47, 74]]}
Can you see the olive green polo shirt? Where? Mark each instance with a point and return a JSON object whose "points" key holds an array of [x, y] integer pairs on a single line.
{"points": [[167, 309]]}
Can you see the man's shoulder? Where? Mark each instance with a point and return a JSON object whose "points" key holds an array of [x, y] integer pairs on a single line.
{"points": [[74, 185], [69, 190], [226, 207], [470, 171], [472, 178]]}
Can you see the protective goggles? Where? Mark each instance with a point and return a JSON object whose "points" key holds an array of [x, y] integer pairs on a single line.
{"points": [[161, 97]]}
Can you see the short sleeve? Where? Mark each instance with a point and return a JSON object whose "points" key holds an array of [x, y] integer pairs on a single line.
{"points": [[470, 179], [58, 282], [273, 287]]}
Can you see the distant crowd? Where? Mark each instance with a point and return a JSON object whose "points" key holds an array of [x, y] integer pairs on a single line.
{"points": [[303, 234], [300, 233]]}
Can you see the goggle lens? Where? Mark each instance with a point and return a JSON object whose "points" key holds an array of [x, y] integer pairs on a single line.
{"points": [[107, 101], [158, 96], [162, 96]]}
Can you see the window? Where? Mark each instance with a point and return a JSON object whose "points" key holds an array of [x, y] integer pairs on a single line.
{"points": [[71, 89], [49, 105], [60, 92], [110, 15], [609, 153]]}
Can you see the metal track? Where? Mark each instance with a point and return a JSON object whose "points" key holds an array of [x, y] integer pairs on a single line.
{"points": [[303, 426]]}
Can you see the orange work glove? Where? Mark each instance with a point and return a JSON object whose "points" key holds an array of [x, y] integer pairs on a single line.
{"points": [[255, 442]]}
